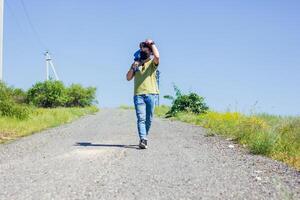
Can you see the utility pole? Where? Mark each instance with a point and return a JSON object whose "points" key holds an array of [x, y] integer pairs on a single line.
{"points": [[1, 38], [49, 63]]}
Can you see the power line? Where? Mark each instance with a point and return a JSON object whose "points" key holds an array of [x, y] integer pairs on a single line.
{"points": [[32, 26], [14, 16]]}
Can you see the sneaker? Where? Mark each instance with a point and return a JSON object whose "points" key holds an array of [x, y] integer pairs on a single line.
{"points": [[143, 144]]}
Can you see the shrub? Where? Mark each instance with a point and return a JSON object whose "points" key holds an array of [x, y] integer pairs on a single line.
{"points": [[79, 96], [19, 96], [48, 94], [15, 94], [11, 109], [8, 106], [5, 92], [51, 94], [191, 102]]}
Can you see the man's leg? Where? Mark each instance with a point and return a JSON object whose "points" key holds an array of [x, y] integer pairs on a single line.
{"points": [[150, 105], [140, 109]]}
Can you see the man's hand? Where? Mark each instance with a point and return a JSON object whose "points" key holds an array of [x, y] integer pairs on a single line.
{"points": [[150, 42]]}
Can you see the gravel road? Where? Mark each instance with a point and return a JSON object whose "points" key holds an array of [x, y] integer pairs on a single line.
{"points": [[96, 157]]}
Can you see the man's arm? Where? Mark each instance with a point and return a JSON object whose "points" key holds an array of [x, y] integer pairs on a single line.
{"points": [[154, 50], [130, 73]]}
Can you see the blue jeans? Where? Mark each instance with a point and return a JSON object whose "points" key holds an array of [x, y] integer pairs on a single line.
{"points": [[144, 107]]}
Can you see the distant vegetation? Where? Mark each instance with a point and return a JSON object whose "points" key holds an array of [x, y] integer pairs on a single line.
{"points": [[24, 112], [12, 102], [274, 136], [191, 102], [51, 94], [126, 107]]}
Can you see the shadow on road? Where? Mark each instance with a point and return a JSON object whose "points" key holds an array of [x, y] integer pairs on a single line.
{"points": [[87, 144]]}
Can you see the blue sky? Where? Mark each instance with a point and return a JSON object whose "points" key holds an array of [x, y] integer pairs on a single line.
{"points": [[240, 55]]}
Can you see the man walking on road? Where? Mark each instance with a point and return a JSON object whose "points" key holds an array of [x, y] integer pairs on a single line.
{"points": [[143, 70]]}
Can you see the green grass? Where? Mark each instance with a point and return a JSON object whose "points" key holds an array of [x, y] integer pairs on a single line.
{"points": [[274, 136], [39, 119], [161, 111], [126, 107]]}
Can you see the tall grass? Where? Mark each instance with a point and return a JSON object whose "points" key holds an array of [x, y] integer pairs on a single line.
{"points": [[39, 119], [274, 136]]}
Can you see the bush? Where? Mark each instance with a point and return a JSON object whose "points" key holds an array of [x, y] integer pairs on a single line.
{"points": [[19, 96], [191, 102], [51, 94], [8, 106], [11, 109], [79, 96], [5, 92], [48, 94], [15, 94]]}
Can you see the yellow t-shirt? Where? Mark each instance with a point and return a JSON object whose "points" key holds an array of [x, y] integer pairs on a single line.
{"points": [[145, 79]]}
